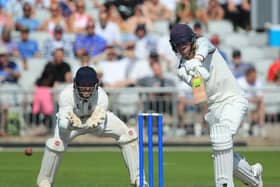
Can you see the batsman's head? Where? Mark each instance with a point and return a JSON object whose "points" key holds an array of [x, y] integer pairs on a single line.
{"points": [[182, 39], [85, 82]]}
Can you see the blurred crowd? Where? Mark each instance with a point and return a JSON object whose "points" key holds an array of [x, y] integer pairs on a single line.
{"points": [[126, 41]]}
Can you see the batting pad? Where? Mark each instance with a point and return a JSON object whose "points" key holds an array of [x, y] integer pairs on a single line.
{"points": [[243, 171], [130, 154], [223, 155], [50, 163]]}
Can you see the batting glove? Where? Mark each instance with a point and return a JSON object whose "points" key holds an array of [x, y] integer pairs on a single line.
{"points": [[97, 117], [195, 65]]}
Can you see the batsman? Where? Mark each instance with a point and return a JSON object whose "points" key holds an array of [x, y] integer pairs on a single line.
{"points": [[226, 104], [83, 109]]}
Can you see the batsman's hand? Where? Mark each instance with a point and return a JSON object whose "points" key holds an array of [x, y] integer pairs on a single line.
{"points": [[74, 120], [184, 75], [195, 65], [97, 117]]}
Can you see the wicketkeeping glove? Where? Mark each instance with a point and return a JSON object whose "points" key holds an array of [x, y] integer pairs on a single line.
{"points": [[97, 117], [74, 120]]}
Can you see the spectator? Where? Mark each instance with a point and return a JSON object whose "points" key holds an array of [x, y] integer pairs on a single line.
{"points": [[115, 17], [139, 17], [238, 12], [85, 60], [8, 43], [184, 11], [274, 68], [108, 30], [237, 67], [55, 19], [67, 8], [57, 41], [113, 69], [58, 68], [79, 18], [215, 11], [42, 98], [253, 91], [156, 11], [27, 48], [215, 40], [9, 71], [6, 20], [90, 42], [159, 102], [136, 68], [9, 74], [144, 43], [124, 7], [14, 7], [197, 28], [27, 20]]}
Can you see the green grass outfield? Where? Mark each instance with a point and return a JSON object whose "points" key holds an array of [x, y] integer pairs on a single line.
{"points": [[105, 168]]}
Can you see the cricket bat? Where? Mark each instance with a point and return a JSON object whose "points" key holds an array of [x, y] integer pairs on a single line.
{"points": [[198, 89]]}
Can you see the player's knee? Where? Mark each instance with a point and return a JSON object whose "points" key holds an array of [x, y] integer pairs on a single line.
{"points": [[221, 137], [56, 145], [128, 136]]}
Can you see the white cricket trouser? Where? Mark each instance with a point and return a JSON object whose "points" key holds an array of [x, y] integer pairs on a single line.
{"points": [[224, 122], [113, 127]]}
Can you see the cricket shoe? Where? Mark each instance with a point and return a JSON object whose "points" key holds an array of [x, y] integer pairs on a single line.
{"points": [[137, 183], [44, 183], [257, 170]]}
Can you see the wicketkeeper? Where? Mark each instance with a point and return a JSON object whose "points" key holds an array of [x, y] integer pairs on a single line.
{"points": [[83, 109], [226, 104]]}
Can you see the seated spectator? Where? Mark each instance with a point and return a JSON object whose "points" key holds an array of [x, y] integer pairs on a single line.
{"points": [[238, 12], [59, 68], [90, 42], [273, 69], [136, 68], [85, 60], [184, 11], [197, 28], [27, 48], [139, 17], [79, 18], [108, 30], [113, 69], [6, 40], [55, 19], [215, 11], [57, 41], [215, 40], [9, 74], [14, 8], [144, 43], [156, 11], [67, 8], [6, 20], [253, 92], [159, 102], [115, 17], [27, 20], [9, 71], [238, 67]]}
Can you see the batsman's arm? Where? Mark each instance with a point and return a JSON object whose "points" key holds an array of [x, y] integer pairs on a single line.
{"points": [[204, 47]]}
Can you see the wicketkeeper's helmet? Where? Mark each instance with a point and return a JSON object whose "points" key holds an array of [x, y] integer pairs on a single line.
{"points": [[181, 34], [85, 82]]}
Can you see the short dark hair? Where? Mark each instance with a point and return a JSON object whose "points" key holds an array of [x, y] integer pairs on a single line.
{"points": [[250, 69], [236, 53]]}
